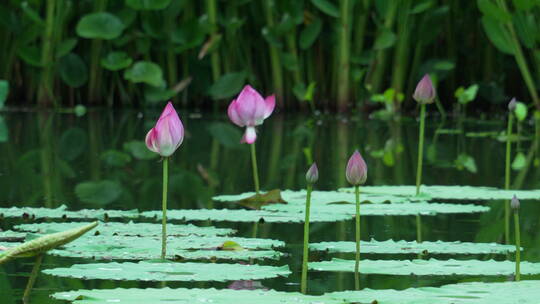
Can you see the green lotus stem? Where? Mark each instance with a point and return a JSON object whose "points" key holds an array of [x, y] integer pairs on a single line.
{"points": [[275, 61], [45, 93], [420, 147], [344, 54], [507, 177], [32, 278], [518, 243], [254, 166], [164, 206], [357, 256], [303, 284]]}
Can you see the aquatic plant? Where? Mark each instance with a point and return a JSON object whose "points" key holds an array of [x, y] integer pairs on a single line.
{"points": [[164, 138], [356, 173], [515, 206], [312, 176], [509, 129], [249, 110]]}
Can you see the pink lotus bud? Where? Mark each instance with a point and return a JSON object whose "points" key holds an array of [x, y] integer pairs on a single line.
{"points": [[514, 203], [512, 105], [312, 174], [249, 109], [425, 92], [168, 133], [356, 169]]}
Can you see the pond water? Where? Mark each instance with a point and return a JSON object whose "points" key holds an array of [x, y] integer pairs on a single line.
{"points": [[46, 157]]}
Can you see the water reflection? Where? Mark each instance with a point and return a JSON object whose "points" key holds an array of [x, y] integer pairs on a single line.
{"points": [[100, 161]]}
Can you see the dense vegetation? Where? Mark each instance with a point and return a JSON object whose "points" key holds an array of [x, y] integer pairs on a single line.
{"points": [[325, 54]]}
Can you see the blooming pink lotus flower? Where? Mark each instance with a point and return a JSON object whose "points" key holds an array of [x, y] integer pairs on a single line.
{"points": [[250, 109], [168, 133], [356, 172], [425, 92], [312, 174]]}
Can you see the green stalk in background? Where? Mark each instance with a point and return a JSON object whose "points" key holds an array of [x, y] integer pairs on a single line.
{"points": [[515, 206], [254, 167], [507, 162], [211, 7], [45, 91], [311, 177], [277, 73], [32, 278], [95, 81], [401, 52], [357, 255], [164, 207], [344, 50]]}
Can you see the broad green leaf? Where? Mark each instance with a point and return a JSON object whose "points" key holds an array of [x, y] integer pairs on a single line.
{"points": [[465, 161], [450, 192], [13, 236], [431, 267], [524, 4], [384, 40], [101, 192], [498, 35], [115, 158], [156, 95], [100, 25], [184, 296], [4, 91], [115, 61], [520, 111], [405, 247], [62, 213], [492, 10], [145, 72], [72, 144], [310, 33], [148, 4], [465, 96], [226, 134], [125, 229], [519, 162], [65, 47], [45, 243], [31, 55], [31, 13], [166, 271], [73, 70], [139, 150], [227, 85], [525, 25], [326, 7], [523, 292]]}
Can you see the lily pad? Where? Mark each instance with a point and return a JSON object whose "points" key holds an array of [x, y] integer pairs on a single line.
{"points": [[129, 229], [12, 236], [62, 213], [429, 267], [240, 215], [523, 292], [391, 247], [184, 295], [451, 192], [167, 271]]}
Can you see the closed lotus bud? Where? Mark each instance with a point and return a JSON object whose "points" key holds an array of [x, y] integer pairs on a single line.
{"points": [[514, 203], [312, 174], [512, 105], [356, 171], [425, 92], [168, 133]]}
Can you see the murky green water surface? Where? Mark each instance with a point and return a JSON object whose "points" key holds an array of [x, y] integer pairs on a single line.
{"points": [[46, 156]]}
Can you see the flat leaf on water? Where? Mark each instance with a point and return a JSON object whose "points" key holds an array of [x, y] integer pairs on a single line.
{"points": [[262, 199], [124, 229], [167, 271], [184, 295], [405, 247], [12, 236], [428, 267], [450, 192], [523, 292], [62, 213]]}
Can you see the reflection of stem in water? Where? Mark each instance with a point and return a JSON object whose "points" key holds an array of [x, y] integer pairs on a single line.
{"points": [[255, 229], [275, 152], [518, 243], [32, 279], [357, 256], [340, 158], [507, 177], [303, 284], [46, 155], [164, 207], [254, 166], [418, 228]]}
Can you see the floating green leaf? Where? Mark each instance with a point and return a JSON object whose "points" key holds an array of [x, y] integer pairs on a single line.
{"points": [[62, 213], [12, 236], [428, 267], [183, 296], [391, 247], [450, 192], [125, 229], [44, 243], [100, 25], [166, 271], [145, 72], [98, 192], [523, 292]]}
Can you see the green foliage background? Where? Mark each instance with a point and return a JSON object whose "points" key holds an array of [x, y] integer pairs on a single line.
{"points": [[328, 54]]}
